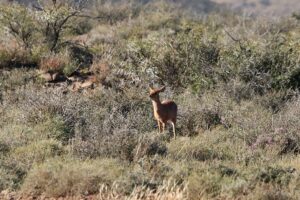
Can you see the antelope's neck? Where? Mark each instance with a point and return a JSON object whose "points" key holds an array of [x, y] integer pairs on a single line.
{"points": [[156, 104]]}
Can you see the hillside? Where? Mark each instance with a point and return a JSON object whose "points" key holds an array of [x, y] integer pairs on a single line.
{"points": [[267, 8], [76, 117]]}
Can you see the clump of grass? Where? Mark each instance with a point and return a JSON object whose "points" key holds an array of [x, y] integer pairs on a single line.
{"points": [[168, 190], [62, 177], [53, 63], [208, 181], [268, 192], [149, 146], [194, 149]]}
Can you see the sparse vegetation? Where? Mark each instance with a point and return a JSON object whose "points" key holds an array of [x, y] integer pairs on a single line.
{"points": [[76, 117]]}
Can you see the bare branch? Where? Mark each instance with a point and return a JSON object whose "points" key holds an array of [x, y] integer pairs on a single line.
{"points": [[235, 40]]}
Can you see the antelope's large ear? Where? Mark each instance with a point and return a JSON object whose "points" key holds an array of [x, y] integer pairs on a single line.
{"points": [[150, 89], [162, 89]]}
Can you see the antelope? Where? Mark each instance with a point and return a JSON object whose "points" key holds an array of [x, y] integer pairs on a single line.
{"points": [[163, 111]]}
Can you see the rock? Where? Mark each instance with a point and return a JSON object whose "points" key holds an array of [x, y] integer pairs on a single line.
{"points": [[87, 83], [46, 76], [8, 195], [52, 76], [75, 86]]}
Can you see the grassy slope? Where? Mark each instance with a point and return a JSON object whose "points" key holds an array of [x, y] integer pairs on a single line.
{"points": [[238, 103]]}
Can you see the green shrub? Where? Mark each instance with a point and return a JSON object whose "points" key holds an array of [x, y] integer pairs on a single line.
{"points": [[54, 128], [17, 135], [113, 12], [12, 79], [181, 60], [83, 26], [20, 22], [37, 152], [16, 58], [276, 175], [262, 66], [46, 27], [4, 148], [79, 57], [12, 174]]}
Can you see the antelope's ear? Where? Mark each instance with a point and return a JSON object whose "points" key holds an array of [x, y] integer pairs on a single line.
{"points": [[162, 89], [150, 89]]}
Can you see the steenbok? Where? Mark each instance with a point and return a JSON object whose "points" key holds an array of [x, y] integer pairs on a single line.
{"points": [[163, 111]]}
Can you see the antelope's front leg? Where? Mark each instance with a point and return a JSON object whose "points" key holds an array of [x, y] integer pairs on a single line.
{"points": [[163, 127], [159, 126]]}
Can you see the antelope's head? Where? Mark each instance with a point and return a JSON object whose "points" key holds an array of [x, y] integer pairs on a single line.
{"points": [[154, 93]]}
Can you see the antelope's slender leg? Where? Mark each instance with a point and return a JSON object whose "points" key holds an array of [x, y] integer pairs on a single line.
{"points": [[163, 127], [173, 124], [159, 126]]}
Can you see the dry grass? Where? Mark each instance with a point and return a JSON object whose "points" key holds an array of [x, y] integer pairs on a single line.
{"points": [[54, 63], [80, 177], [167, 191], [101, 69], [238, 102]]}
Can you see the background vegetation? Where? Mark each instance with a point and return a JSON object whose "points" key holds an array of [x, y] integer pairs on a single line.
{"points": [[76, 120]]}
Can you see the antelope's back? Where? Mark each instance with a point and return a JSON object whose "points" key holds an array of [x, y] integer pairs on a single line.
{"points": [[170, 106]]}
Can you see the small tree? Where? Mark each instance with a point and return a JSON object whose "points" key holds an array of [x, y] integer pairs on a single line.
{"points": [[54, 20], [20, 23], [47, 22]]}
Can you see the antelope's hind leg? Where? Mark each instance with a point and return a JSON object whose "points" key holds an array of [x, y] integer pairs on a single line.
{"points": [[163, 127], [174, 127]]}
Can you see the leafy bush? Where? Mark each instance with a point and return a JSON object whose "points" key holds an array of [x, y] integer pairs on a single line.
{"points": [[181, 60], [16, 78], [16, 58], [37, 152], [279, 176], [264, 66], [12, 174], [20, 22], [113, 12], [33, 29]]}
